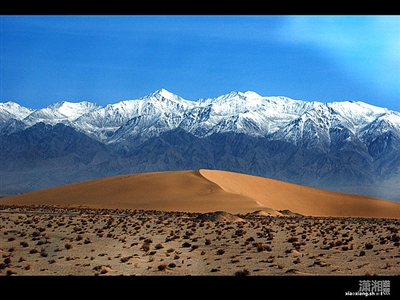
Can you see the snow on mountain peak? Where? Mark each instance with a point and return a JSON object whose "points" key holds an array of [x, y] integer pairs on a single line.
{"points": [[74, 110], [166, 94], [11, 109], [163, 93], [245, 112], [251, 94]]}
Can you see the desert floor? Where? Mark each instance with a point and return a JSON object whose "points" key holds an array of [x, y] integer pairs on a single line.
{"points": [[54, 240]]}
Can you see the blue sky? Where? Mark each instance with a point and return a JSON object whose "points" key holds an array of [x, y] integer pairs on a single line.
{"points": [[105, 59]]}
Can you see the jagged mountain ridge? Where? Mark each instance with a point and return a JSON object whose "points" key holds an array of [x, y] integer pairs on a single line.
{"points": [[338, 145]]}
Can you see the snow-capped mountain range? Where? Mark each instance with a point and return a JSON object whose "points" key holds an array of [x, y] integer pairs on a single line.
{"points": [[342, 138], [249, 113]]}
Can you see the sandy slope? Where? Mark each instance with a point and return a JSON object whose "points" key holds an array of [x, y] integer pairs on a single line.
{"points": [[308, 201], [205, 191]]}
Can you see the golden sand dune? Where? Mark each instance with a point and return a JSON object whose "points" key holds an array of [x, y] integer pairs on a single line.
{"points": [[205, 191], [280, 195]]}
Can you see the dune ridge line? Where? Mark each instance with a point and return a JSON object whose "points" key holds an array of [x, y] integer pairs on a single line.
{"points": [[206, 191]]}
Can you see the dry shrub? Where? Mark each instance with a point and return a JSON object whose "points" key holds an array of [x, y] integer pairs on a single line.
{"points": [[125, 259], [194, 247], [43, 252], [243, 272], [220, 251], [261, 247], [172, 265], [145, 247], [186, 245], [7, 260], [24, 244], [368, 246], [158, 246]]}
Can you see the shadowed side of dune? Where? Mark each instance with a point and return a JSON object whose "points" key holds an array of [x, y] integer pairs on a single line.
{"points": [[207, 191], [170, 191]]}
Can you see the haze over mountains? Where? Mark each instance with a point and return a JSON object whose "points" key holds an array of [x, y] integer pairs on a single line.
{"points": [[207, 191], [344, 146]]}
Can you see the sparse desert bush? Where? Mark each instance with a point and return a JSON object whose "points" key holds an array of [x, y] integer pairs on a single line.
{"points": [[338, 243], [145, 247], [186, 245], [125, 259], [10, 272], [194, 247], [261, 247], [220, 251], [243, 272], [158, 246], [68, 246], [368, 246], [7, 260], [41, 242], [43, 252], [171, 265], [24, 244], [162, 267], [240, 232]]}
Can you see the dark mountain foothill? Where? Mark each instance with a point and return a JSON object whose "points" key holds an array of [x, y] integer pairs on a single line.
{"points": [[346, 146]]}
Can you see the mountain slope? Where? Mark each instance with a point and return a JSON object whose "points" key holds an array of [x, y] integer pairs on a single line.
{"points": [[344, 146]]}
